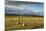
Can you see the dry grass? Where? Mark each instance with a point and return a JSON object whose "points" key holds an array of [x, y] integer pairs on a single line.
{"points": [[30, 22]]}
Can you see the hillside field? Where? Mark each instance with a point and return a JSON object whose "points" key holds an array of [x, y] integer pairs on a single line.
{"points": [[23, 22]]}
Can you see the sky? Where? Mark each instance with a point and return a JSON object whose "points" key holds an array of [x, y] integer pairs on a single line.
{"points": [[26, 8]]}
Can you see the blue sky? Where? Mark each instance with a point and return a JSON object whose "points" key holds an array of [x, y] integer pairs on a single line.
{"points": [[35, 7], [25, 8]]}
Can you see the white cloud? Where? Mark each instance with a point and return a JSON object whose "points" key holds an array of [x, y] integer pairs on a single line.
{"points": [[29, 0]]}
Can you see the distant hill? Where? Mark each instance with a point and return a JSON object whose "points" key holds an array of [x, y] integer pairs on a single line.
{"points": [[10, 11], [20, 15]]}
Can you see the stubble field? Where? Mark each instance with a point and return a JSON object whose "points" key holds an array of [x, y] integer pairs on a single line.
{"points": [[23, 22]]}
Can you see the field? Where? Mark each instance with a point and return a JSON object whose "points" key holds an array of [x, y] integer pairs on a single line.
{"points": [[23, 22]]}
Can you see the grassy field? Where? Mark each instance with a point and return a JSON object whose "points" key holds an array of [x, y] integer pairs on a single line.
{"points": [[23, 22]]}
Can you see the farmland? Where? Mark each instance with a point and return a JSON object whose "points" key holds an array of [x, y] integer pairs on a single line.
{"points": [[23, 22]]}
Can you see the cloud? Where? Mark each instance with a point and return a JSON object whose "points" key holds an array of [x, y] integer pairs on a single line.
{"points": [[24, 9]]}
